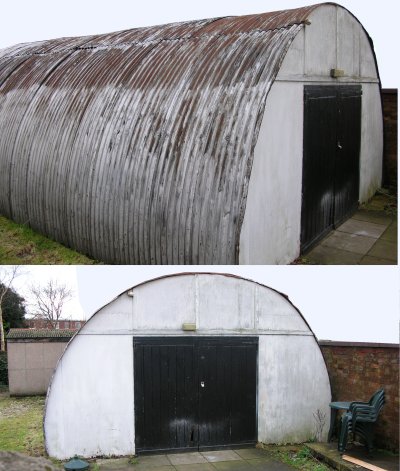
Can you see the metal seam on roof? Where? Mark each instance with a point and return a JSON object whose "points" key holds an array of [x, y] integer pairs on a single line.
{"points": [[136, 147], [140, 43]]}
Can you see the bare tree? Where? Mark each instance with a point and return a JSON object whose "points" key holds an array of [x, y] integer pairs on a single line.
{"points": [[7, 276], [49, 300]]}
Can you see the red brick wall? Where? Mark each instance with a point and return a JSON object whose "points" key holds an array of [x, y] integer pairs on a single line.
{"points": [[62, 324], [389, 101], [356, 371]]}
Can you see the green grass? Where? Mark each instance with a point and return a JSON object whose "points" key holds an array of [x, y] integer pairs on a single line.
{"points": [[301, 459], [20, 245], [21, 424]]}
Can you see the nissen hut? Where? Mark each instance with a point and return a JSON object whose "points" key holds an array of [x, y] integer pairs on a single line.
{"points": [[188, 362], [227, 140]]}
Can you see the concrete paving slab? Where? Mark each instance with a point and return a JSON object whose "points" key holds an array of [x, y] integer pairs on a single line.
{"points": [[196, 467], [384, 249], [362, 228], [353, 242], [269, 465], [252, 453], [234, 465], [137, 467], [349, 242], [223, 455], [326, 255], [186, 458], [370, 260], [391, 233], [377, 217], [224, 460], [117, 463], [155, 460], [148, 467]]}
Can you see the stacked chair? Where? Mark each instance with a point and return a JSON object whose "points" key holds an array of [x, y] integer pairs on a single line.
{"points": [[360, 420]]}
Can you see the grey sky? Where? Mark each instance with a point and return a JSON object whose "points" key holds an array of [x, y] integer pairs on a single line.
{"points": [[25, 20]]}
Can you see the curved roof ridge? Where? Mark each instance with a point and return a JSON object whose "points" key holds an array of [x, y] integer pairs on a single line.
{"points": [[231, 25]]}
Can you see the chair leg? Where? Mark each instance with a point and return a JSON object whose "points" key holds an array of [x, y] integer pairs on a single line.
{"points": [[345, 429], [370, 439]]}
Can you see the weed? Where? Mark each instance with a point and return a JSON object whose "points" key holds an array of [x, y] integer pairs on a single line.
{"points": [[320, 421], [302, 459]]}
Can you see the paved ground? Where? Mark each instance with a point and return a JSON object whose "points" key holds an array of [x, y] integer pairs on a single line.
{"points": [[368, 238], [330, 455], [238, 460]]}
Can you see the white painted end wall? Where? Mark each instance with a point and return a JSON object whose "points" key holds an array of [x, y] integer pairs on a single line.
{"points": [[90, 403], [335, 39]]}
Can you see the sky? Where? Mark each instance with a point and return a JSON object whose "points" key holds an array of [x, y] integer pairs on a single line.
{"points": [[347, 303], [27, 20]]}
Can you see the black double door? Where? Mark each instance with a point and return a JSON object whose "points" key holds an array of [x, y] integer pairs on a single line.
{"points": [[195, 392], [331, 155]]}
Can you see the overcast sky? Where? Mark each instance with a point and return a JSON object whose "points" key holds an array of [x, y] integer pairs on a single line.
{"points": [[339, 302], [27, 20]]}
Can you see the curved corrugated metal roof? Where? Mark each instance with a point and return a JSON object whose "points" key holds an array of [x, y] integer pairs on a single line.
{"points": [[136, 147]]}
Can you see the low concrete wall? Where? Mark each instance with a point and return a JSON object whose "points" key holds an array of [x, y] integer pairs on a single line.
{"points": [[357, 370], [31, 364]]}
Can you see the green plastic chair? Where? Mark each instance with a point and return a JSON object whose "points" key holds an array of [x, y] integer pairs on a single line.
{"points": [[360, 420]]}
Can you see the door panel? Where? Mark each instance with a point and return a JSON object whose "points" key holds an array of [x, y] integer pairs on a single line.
{"points": [[165, 388], [214, 410], [331, 149], [244, 394], [318, 163], [347, 167], [195, 393]]}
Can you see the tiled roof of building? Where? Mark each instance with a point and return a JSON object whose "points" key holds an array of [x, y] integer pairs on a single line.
{"points": [[40, 333]]}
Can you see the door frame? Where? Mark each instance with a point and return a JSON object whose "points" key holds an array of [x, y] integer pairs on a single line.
{"points": [[325, 91], [196, 342]]}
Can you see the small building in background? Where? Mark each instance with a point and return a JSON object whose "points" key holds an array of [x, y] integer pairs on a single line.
{"points": [[32, 357]]}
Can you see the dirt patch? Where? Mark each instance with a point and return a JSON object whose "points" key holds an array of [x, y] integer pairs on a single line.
{"points": [[13, 407], [13, 461]]}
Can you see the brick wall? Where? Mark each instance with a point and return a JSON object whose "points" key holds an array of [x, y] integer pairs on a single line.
{"points": [[356, 371], [389, 101], [61, 324]]}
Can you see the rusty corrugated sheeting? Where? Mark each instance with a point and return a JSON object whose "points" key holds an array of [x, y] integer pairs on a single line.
{"points": [[136, 147]]}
